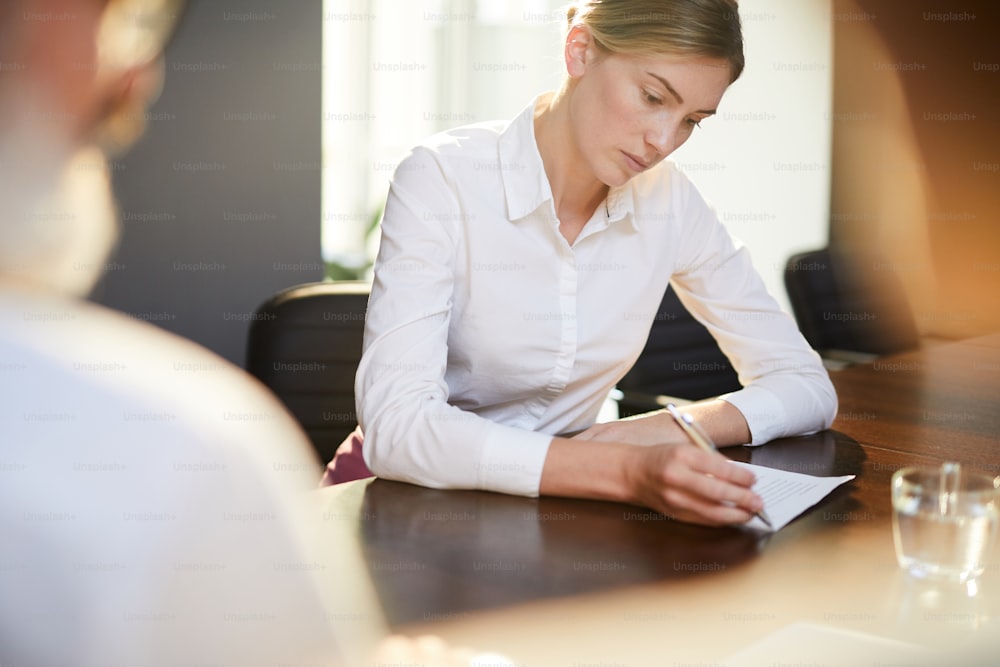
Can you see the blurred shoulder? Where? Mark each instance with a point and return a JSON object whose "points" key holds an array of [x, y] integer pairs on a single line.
{"points": [[78, 368]]}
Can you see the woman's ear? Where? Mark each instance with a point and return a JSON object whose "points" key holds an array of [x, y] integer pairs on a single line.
{"points": [[580, 50], [119, 118]]}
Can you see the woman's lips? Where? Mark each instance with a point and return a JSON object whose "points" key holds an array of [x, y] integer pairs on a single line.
{"points": [[634, 163]]}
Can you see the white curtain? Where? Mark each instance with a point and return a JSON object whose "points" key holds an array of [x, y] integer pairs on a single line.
{"points": [[396, 72]]}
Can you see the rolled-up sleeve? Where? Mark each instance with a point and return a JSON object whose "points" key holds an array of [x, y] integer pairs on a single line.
{"points": [[786, 390], [411, 431]]}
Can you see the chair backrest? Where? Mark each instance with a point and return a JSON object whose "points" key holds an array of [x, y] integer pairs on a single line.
{"points": [[305, 345], [680, 359], [843, 301]]}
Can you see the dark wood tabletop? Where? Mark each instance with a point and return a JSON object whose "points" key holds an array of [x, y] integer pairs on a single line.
{"points": [[941, 401], [436, 555]]}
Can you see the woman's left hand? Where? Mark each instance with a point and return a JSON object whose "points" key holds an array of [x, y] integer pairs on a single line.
{"points": [[724, 423], [654, 429]]}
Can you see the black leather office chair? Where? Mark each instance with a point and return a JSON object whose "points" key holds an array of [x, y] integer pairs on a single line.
{"points": [[680, 359], [849, 303], [305, 345]]}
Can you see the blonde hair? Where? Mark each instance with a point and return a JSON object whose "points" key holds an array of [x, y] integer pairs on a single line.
{"points": [[706, 28]]}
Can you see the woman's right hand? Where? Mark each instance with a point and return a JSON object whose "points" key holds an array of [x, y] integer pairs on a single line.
{"points": [[679, 480], [690, 484]]}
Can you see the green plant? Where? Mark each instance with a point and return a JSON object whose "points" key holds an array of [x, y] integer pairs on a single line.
{"points": [[356, 268]]}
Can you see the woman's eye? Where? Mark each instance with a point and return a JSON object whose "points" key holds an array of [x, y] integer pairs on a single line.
{"points": [[694, 122], [651, 98]]}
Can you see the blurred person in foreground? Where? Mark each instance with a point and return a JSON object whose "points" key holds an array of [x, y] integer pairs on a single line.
{"points": [[147, 487]]}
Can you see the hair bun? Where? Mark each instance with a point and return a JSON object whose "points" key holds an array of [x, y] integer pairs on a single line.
{"points": [[570, 14]]}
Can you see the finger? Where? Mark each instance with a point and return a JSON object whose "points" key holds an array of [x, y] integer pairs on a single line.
{"points": [[717, 491], [718, 466], [690, 477], [695, 509]]}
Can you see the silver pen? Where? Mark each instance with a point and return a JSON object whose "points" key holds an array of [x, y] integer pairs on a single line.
{"points": [[698, 436]]}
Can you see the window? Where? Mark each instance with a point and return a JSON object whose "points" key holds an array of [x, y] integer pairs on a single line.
{"points": [[398, 72]]}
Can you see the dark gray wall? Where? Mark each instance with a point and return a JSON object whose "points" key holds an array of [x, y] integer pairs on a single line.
{"points": [[220, 200]]}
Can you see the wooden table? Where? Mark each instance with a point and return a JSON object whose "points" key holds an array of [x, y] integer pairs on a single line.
{"points": [[554, 581]]}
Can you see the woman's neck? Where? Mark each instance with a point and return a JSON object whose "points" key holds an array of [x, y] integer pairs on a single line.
{"points": [[576, 192]]}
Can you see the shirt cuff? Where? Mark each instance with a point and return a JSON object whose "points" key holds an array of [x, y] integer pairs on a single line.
{"points": [[512, 460], [763, 410]]}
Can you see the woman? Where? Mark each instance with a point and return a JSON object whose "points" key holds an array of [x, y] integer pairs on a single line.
{"points": [[521, 265]]}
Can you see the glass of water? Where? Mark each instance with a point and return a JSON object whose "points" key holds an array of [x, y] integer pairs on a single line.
{"points": [[944, 521]]}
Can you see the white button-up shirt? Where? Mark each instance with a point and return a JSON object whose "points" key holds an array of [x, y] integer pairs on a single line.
{"points": [[488, 333]]}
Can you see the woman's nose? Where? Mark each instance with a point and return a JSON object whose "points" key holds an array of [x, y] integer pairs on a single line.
{"points": [[663, 138]]}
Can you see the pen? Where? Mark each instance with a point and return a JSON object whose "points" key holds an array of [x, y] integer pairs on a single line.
{"points": [[699, 437]]}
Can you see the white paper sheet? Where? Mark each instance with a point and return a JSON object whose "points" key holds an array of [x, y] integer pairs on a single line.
{"points": [[786, 495]]}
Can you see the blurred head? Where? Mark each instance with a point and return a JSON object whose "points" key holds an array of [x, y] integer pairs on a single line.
{"points": [[642, 75], [76, 77]]}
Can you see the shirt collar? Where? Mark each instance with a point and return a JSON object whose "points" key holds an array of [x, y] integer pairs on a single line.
{"points": [[621, 205], [526, 187]]}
